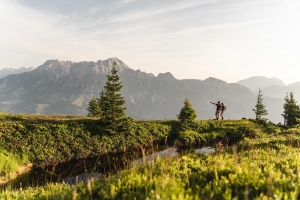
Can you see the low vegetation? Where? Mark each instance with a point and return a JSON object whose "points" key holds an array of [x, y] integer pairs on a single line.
{"points": [[254, 159], [265, 167], [11, 165], [48, 141]]}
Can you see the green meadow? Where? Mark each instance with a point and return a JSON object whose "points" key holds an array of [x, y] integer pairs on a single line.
{"points": [[252, 160]]}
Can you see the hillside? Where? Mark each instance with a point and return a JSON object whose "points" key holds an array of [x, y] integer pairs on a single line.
{"points": [[65, 88]]}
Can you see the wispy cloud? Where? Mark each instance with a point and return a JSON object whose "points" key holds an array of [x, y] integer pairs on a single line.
{"points": [[153, 34], [220, 26], [114, 10]]}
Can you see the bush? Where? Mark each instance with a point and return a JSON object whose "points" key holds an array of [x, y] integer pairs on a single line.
{"points": [[189, 137]]}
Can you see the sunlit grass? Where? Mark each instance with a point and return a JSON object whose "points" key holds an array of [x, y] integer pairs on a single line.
{"points": [[255, 162], [10, 164], [257, 172]]}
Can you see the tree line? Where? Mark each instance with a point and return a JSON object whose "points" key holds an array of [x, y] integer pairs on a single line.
{"points": [[291, 111], [109, 107], [110, 110]]}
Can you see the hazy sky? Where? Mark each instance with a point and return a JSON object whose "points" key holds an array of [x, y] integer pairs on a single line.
{"points": [[227, 39]]}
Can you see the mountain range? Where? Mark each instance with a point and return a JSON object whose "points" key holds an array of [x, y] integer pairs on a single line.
{"points": [[7, 71], [66, 87], [260, 82], [271, 87]]}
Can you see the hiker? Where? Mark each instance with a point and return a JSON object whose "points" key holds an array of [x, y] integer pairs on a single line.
{"points": [[223, 108], [218, 109]]}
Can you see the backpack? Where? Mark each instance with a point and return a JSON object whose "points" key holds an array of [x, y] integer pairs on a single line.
{"points": [[224, 107]]}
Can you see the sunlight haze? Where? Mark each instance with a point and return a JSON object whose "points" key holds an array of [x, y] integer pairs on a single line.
{"points": [[226, 39]]}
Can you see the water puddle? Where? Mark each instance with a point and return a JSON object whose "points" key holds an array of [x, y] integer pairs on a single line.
{"points": [[83, 170], [205, 150], [82, 178], [167, 153]]}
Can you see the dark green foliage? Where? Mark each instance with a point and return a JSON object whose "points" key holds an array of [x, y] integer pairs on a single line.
{"points": [[260, 109], [268, 127], [54, 141], [291, 110], [188, 137], [187, 115], [112, 105], [50, 140], [207, 132], [94, 108]]}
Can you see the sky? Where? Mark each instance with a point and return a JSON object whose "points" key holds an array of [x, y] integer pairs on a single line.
{"points": [[193, 39]]}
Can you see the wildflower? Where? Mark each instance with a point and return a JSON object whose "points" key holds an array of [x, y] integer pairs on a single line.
{"points": [[183, 158]]}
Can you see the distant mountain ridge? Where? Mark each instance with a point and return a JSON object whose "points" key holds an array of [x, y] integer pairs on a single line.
{"points": [[280, 92], [65, 88], [7, 71], [260, 82], [271, 87]]}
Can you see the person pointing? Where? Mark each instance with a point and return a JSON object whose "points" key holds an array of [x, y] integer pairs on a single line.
{"points": [[218, 109]]}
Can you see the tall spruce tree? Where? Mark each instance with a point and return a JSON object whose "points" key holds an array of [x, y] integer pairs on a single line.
{"points": [[291, 111], [94, 108], [187, 115], [260, 109], [112, 104], [101, 99]]}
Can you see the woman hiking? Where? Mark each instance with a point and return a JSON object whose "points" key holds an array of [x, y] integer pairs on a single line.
{"points": [[223, 108]]}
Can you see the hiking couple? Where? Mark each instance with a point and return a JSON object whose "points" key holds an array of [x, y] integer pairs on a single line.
{"points": [[220, 109]]}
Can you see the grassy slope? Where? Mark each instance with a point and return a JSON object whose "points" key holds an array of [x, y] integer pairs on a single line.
{"points": [[50, 140], [68, 138], [264, 168], [11, 165]]}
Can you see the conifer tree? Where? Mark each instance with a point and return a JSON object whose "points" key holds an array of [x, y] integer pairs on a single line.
{"points": [[101, 99], [260, 109], [94, 108], [187, 114], [291, 111], [112, 104]]}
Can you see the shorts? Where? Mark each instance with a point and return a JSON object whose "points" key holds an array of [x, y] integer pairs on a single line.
{"points": [[217, 112]]}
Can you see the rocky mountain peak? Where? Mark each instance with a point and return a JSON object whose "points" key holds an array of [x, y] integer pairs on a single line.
{"points": [[106, 65], [54, 63], [166, 76]]}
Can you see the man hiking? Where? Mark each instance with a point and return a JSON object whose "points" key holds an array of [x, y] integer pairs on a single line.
{"points": [[223, 108], [218, 109]]}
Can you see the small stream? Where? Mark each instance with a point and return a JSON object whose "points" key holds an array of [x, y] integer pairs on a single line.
{"points": [[73, 172]]}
